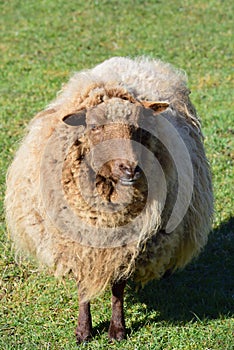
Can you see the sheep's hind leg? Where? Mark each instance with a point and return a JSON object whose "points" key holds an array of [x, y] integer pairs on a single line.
{"points": [[84, 328], [117, 329]]}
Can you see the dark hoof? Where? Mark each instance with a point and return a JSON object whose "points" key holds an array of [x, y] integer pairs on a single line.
{"points": [[116, 331], [83, 335]]}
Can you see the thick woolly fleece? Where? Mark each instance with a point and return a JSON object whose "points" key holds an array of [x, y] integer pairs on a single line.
{"points": [[155, 251]]}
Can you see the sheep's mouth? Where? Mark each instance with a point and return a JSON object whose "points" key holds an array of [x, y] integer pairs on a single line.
{"points": [[116, 189], [130, 181], [127, 182], [129, 178]]}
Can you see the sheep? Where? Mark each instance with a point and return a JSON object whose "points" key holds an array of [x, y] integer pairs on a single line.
{"points": [[112, 183]]}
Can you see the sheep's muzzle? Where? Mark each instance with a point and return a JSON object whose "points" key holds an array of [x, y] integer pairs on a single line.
{"points": [[121, 170]]}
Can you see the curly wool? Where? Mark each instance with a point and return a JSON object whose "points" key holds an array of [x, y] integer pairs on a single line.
{"points": [[32, 229]]}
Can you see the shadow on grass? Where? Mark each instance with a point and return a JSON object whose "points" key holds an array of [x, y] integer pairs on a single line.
{"points": [[101, 328], [202, 291]]}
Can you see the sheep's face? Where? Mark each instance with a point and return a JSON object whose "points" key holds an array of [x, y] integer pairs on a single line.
{"points": [[107, 160], [113, 134]]}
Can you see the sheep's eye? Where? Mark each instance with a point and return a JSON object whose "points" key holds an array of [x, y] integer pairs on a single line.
{"points": [[94, 127]]}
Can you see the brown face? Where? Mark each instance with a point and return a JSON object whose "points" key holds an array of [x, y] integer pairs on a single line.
{"points": [[115, 153], [111, 137], [109, 152]]}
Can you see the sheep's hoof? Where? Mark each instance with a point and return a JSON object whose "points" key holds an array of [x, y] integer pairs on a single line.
{"points": [[116, 331], [83, 335]]}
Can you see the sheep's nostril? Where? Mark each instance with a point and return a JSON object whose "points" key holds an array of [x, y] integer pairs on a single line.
{"points": [[126, 169]]}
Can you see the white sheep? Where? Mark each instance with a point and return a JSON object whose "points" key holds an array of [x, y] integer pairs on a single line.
{"points": [[111, 182]]}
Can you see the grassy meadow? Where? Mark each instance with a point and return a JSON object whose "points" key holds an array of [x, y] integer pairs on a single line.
{"points": [[42, 43]]}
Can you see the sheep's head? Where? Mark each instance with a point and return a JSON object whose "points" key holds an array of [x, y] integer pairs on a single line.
{"points": [[105, 163]]}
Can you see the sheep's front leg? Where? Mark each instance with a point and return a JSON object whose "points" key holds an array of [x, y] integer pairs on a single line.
{"points": [[84, 328], [117, 329]]}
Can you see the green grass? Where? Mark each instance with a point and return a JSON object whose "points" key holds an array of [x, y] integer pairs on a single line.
{"points": [[42, 43]]}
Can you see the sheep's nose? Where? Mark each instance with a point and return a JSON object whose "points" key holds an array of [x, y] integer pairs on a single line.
{"points": [[127, 172], [126, 169]]}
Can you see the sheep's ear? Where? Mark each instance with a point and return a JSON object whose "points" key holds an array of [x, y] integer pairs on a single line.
{"points": [[75, 119], [157, 106]]}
